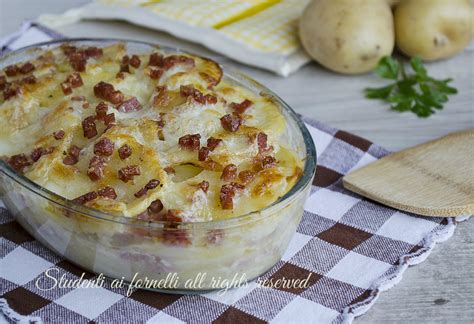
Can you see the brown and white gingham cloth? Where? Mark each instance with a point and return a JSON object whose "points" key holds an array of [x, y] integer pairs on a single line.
{"points": [[354, 249]]}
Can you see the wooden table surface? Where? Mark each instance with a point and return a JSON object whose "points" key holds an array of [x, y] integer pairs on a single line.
{"points": [[441, 289]]}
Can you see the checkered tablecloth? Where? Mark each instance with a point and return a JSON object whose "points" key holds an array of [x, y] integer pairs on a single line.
{"points": [[353, 248]]}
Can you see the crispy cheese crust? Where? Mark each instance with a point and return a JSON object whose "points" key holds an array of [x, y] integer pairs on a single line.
{"points": [[153, 136]]}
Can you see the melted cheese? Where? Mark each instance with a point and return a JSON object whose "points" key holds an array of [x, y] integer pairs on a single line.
{"points": [[28, 121]]}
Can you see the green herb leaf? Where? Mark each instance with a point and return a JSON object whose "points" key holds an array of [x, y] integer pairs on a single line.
{"points": [[442, 85], [418, 92], [379, 93], [417, 66], [388, 68]]}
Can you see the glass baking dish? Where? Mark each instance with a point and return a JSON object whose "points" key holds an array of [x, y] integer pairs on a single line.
{"points": [[243, 247]]}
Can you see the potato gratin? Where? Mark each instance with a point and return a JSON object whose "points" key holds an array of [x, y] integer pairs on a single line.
{"points": [[152, 136]]}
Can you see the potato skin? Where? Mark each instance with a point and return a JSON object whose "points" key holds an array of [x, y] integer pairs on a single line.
{"points": [[393, 3], [433, 29], [348, 36]]}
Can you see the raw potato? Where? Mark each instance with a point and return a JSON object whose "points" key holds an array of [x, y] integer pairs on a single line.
{"points": [[434, 29], [393, 3], [348, 36]]}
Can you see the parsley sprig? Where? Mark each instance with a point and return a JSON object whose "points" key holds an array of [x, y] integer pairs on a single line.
{"points": [[417, 92]]}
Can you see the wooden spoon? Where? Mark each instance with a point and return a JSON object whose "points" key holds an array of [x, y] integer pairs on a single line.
{"points": [[431, 179]]}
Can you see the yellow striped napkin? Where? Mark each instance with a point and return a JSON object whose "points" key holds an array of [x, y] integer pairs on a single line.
{"points": [[261, 33]]}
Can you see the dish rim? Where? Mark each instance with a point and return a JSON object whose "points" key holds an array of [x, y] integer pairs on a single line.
{"points": [[228, 72]]}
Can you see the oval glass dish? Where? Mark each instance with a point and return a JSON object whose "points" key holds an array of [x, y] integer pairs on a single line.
{"points": [[242, 247]]}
